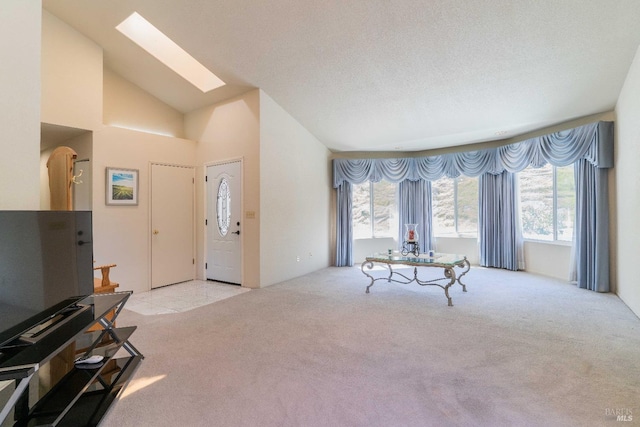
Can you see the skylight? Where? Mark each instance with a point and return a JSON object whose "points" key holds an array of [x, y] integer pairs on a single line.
{"points": [[148, 37]]}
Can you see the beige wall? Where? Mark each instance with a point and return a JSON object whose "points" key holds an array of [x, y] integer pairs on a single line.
{"points": [[72, 95], [291, 215], [20, 41], [364, 247], [227, 131], [71, 79], [122, 234], [546, 259], [128, 106], [627, 177], [71, 76], [295, 191], [73, 84], [467, 246], [20, 44]]}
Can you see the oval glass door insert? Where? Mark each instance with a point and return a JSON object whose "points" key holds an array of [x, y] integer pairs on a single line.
{"points": [[223, 207]]}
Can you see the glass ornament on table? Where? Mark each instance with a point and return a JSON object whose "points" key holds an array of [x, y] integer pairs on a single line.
{"points": [[411, 233], [410, 244]]}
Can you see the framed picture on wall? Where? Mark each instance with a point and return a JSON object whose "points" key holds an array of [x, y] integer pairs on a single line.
{"points": [[122, 187]]}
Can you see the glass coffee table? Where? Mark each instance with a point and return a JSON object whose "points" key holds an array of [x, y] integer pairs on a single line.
{"points": [[448, 262]]}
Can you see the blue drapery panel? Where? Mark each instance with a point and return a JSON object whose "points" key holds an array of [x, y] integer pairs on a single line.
{"points": [[590, 252], [593, 142], [500, 236], [414, 207], [344, 226]]}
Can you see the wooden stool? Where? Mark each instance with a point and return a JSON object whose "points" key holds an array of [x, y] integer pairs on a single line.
{"points": [[104, 285]]}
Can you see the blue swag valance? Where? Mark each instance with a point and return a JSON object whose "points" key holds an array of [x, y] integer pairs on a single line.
{"points": [[589, 148], [592, 142]]}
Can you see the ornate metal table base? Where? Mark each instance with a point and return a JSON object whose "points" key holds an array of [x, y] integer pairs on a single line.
{"points": [[410, 248], [445, 261]]}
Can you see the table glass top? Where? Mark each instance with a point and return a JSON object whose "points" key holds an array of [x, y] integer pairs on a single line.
{"points": [[422, 259]]}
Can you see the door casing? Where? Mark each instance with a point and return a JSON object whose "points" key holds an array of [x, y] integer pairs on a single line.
{"points": [[158, 277], [210, 217]]}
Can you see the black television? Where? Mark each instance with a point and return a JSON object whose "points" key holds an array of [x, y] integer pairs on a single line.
{"points": [[46, 270]]}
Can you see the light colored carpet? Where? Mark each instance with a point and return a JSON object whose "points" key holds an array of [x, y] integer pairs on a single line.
{"points": [[515, 350]]}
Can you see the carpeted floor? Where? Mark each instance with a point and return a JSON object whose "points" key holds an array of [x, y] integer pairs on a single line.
{"points": [[515, 350]]}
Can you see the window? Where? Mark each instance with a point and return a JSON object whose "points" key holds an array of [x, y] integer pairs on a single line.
{"points": [[455, 206], [223, 207], [547, 203], [374, 210]]}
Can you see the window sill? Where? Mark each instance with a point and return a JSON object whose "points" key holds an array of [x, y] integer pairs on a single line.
{"points": [[457, 236], [373, 238], [549, 242]]}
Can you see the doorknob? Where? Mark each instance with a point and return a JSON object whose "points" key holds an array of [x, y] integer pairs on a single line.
{"points": [[156, 231], [236, 232]]}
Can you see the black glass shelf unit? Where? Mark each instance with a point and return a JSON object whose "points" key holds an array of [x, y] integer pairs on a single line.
{"points": [[81, 395]]}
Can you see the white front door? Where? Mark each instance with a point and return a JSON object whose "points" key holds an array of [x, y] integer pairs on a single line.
{"points": [[224, 238], [172, 220]]}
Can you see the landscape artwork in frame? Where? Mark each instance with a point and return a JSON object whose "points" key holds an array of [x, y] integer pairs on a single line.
{"points": [[122, 187]]}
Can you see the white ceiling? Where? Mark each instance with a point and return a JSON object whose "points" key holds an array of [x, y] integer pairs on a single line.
{"points": [[382, 75]]}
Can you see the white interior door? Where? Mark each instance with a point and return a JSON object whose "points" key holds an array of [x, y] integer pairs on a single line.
{"points": [[172, 224], [224, 241]]}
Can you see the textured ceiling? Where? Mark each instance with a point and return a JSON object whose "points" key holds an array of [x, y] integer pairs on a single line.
{"points": [[379, 75]]}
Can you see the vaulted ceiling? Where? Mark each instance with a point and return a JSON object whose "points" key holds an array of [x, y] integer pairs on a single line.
{"points": [[382, 75]]}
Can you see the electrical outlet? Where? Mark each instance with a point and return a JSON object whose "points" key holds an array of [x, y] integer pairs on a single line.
{"points": [[298, 258]]}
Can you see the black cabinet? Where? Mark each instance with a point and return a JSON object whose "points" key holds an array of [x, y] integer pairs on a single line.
{"points": [[78, 396]]}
